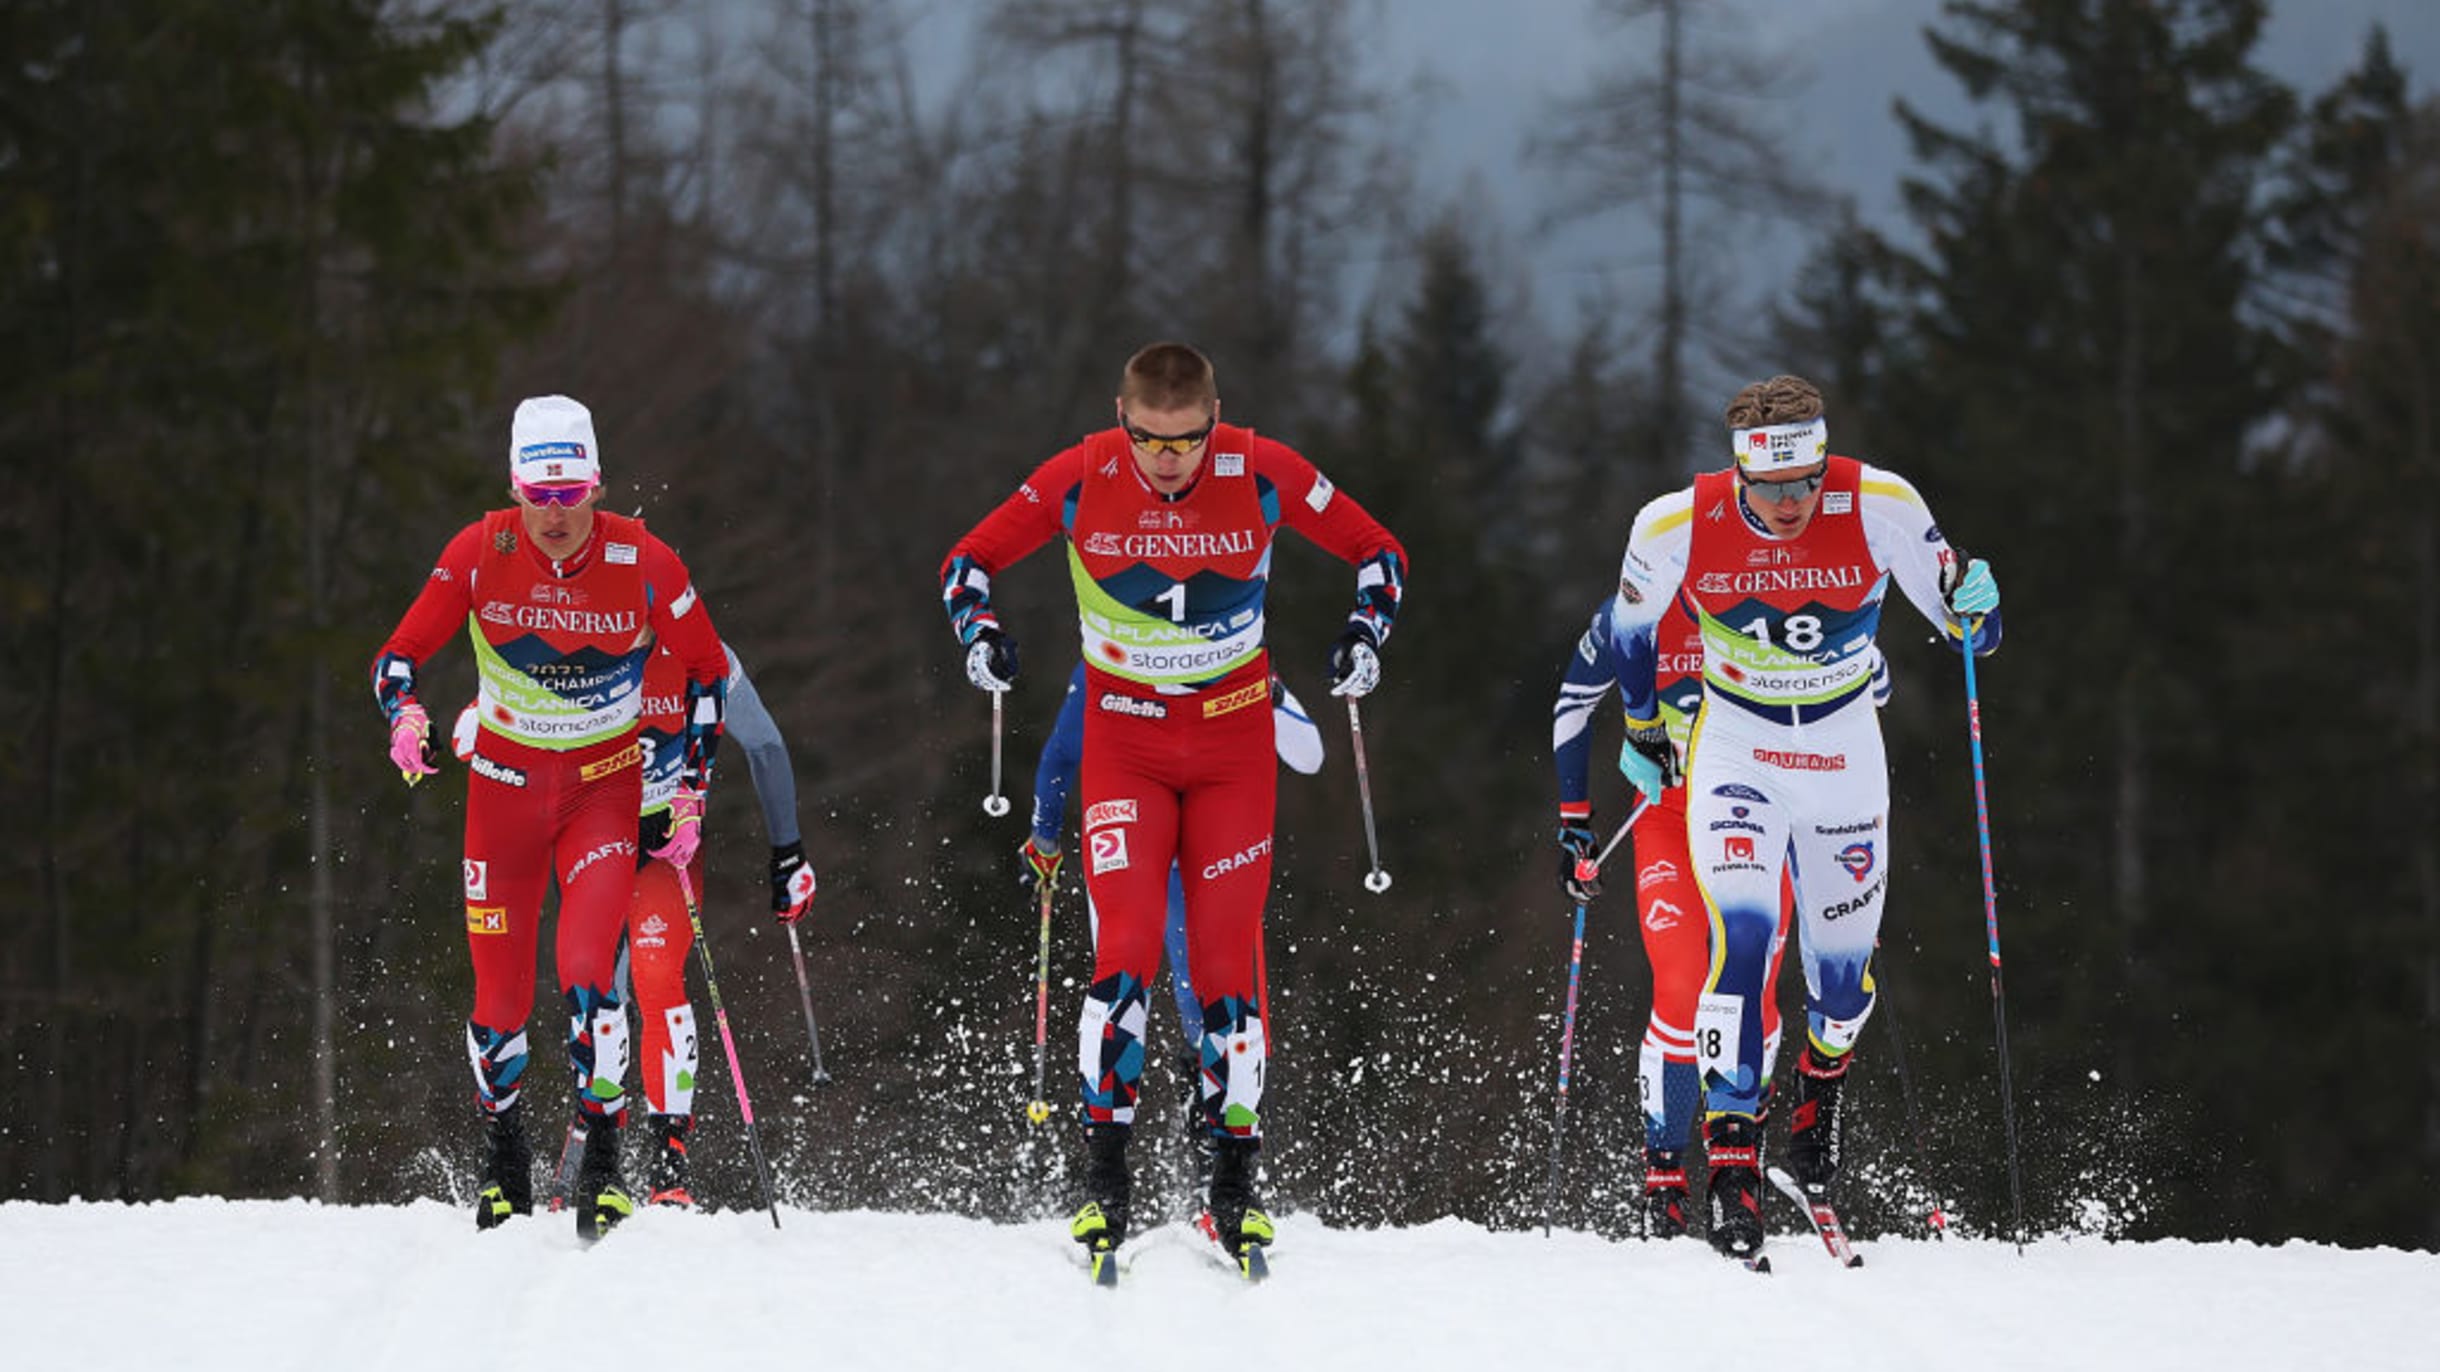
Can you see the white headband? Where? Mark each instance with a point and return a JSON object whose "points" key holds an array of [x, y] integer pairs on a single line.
{"points": [[1781, 447]]}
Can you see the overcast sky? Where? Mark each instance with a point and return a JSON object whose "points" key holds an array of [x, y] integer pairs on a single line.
{"points": [[1492, 66], [1474, 78]]}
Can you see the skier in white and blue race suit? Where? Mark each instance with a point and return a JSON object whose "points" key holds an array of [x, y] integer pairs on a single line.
{"points": [[1783, 561]]}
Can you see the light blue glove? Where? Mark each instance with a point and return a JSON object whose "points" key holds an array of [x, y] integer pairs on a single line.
{"points": [[1975, 593], [1649, 759]]}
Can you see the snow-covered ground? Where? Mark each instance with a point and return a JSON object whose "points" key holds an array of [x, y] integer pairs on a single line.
{"points": [[260, 1286]]}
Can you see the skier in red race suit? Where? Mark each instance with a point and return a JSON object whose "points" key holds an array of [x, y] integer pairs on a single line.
{"points": [[1169, 519], [660, 930], [563, 603]]}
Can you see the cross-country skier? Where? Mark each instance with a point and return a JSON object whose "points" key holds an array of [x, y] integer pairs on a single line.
{"points": [[1782, 560], [659, 932], [563, 602], [1668, 907], [1300, 746], [1169, 518]]}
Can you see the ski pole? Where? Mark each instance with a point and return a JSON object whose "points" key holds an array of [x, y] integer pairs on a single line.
{"points": [[1586, 870], [1999, 1003], [1938, 1220], [1038, 1110], [995, 804], [804, 993], [737, 1075], [1375, 881]]}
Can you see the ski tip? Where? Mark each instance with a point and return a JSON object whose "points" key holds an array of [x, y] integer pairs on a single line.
{"points": [[1253, 1264], [1105, 1267], [1855, 1260], [1757, 1263]]}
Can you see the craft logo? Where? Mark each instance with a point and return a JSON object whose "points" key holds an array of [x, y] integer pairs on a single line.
{"points": [[1245, 857], [1109, 849], [1801, 762], [478, 879], [1736, 849], [1848, 907], [1857, 859], [486, 919], [653, 933], [617, 848], [1109, 812]]}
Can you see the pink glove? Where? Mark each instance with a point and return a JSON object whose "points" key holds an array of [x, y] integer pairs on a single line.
{"points": [[685, 828], [410, 738]]}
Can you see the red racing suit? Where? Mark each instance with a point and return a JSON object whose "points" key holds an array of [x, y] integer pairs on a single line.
{"points": [[556, 780], [1178, 747]]}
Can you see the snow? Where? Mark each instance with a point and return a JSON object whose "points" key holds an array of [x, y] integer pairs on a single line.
{"points": [[260, 1286]]}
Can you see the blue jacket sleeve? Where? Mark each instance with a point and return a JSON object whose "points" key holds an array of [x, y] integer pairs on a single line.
{"points": [[1592, 670], [1056, 773]]}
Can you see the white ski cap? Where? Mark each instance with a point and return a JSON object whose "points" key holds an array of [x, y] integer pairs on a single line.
{"points": [[1769, 448], [550, 443]]}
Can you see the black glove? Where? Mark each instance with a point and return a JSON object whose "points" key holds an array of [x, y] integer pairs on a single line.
{"points": [[991, 659], [792, 882], [1355, 662], [1577, 846], [1036, 867]]}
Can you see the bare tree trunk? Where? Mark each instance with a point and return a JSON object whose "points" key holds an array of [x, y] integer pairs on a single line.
{"points": [[2425, 768], [614, 123], [2130, 879], [1669, 361], [51, 729], [1254, 213]]}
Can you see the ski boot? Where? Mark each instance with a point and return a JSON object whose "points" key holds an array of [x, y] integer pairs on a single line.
{"points": [[1813, 1126], [1101, 1225], [508, 1174], [1735, 1145], [1233, 1216], [601, 1197], [1664, 1193], [668, 1186]]}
